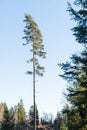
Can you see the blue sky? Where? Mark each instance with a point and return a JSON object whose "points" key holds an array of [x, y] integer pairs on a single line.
{"points": [[55, 24]]}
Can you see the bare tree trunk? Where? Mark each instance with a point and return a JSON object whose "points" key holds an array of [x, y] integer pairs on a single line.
{"points": [[34, 90]]}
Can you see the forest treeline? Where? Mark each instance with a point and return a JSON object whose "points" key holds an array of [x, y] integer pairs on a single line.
{"points": [[73, 116], [16, 118]]}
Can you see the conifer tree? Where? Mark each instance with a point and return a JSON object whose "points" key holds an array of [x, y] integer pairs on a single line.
{"points": [[8, 120], [79, 15], [20, 113], [33, 36], [75, 71], [31, 115]]}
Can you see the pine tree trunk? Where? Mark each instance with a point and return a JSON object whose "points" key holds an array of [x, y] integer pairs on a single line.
{"points": [[34, 89]]}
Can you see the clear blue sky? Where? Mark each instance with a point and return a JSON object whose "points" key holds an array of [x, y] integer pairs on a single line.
{"points": [[55, 24]]}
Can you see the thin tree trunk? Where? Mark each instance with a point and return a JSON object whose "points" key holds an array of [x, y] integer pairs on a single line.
{"points": [[34, 89]]}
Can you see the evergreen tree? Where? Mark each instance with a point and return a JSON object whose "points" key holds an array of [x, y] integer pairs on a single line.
{"points": [[21, 113], [72, 117], [8, 120], [60, 122], [34, 36], [75, 71], [31, 115], [80, 17]]}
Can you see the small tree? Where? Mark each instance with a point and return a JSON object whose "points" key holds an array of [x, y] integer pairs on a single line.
{"points": [[31, 115], [34, 36], [20, 114], [8, 120]]}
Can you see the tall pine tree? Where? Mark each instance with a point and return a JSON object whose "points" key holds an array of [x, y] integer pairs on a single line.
{"points": [[33, 36]]}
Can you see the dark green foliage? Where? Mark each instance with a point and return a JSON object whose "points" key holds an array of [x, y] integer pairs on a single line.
{"points": [[60, 122], [80, 17], [31, 115], [8, 120], [72, 117], [75, 71]]}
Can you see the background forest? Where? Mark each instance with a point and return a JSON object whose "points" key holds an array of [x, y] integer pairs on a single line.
{"points": [[16, 118]]}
